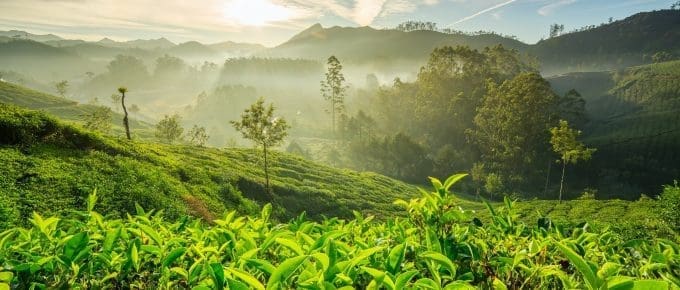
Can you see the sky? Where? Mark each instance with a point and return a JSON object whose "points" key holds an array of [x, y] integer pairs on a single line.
{"points": [[272, 22]]}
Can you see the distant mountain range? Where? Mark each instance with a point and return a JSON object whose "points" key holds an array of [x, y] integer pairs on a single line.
{"points": [[618, 44]]}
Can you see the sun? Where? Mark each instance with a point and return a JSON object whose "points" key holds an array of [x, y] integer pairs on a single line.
{"points": [[256, 12]]}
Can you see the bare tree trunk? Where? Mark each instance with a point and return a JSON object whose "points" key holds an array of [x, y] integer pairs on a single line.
{"points": [[125, 118], [333, 116], [564, 165], [266, 171]]}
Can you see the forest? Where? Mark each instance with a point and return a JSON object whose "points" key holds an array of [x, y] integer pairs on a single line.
{"points": [[411, 156]]}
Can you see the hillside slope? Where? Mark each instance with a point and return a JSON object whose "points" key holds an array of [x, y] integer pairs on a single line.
{"points": [[623, 43], [635, 124], [65, 109], [50, 167], [364, 44]]}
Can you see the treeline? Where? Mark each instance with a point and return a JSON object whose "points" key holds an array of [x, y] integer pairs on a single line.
{"points": [[486, 112]]}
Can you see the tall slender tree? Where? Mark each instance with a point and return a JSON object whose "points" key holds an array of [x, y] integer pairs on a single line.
{"points": [[122, 91], [333, 89], [564, 142], [259, 125]]}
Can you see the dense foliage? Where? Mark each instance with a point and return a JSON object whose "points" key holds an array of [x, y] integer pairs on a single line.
{"points": [[437, 246]]}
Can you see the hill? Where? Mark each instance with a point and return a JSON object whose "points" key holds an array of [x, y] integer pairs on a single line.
{"points": [[364, 44], [623, 43], [18, 34], [40, 60], [635, 117], [51, 166], [67, 110]]}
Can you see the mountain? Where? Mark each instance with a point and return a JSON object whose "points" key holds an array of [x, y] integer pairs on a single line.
{"points": [[235, 49], [17, 34], [634, 122], [192, 50], [151, 44], [42, 61], [54, 165], [623, 43], [366, 44]]}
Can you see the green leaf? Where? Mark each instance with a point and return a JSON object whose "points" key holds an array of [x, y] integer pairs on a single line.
{"points": [[4, 286], [581, 265], [284, 271], [75, 244], [110, 239], [151, 233], [6, 277], [395, 258], [217, 275], [403, 279], [441, 260], [453, 180], [172, 256], [134, 257], [459, 286], [499, 285], [266, 212], [246, 277], [608, 269], [650, 285], [236, 285], [620, 283], [291, 245], [261, 265], [92, 200]]}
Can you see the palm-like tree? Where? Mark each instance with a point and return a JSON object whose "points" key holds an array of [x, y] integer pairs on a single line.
{"points": [[122, 91]]}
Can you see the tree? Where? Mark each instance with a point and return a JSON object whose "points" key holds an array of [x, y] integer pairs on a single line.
{"points": [[333, 89], [556, 30], [675, 5], [564, 142], [126, 124], [572, 108], [661, 56], [511, 125], [198, 136], [98, 120], [115, 99], [169, 128], [259, 125], [62, 87], [134, 109]]}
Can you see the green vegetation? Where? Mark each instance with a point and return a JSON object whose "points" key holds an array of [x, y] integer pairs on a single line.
{"points": [[50, 167], [633, 122], [65, 109], [564, 142], [437, 246], [169, 128], [258, 124]]}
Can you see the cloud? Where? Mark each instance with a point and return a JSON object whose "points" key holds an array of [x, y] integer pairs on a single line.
{"points": [[492, 8], [550, 8]]}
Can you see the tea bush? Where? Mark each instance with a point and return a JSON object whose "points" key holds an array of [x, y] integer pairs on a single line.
{"points": [[438, 245]]}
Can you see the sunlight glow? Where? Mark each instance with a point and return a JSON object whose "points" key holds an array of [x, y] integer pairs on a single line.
{"points": [[256, 12]]}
